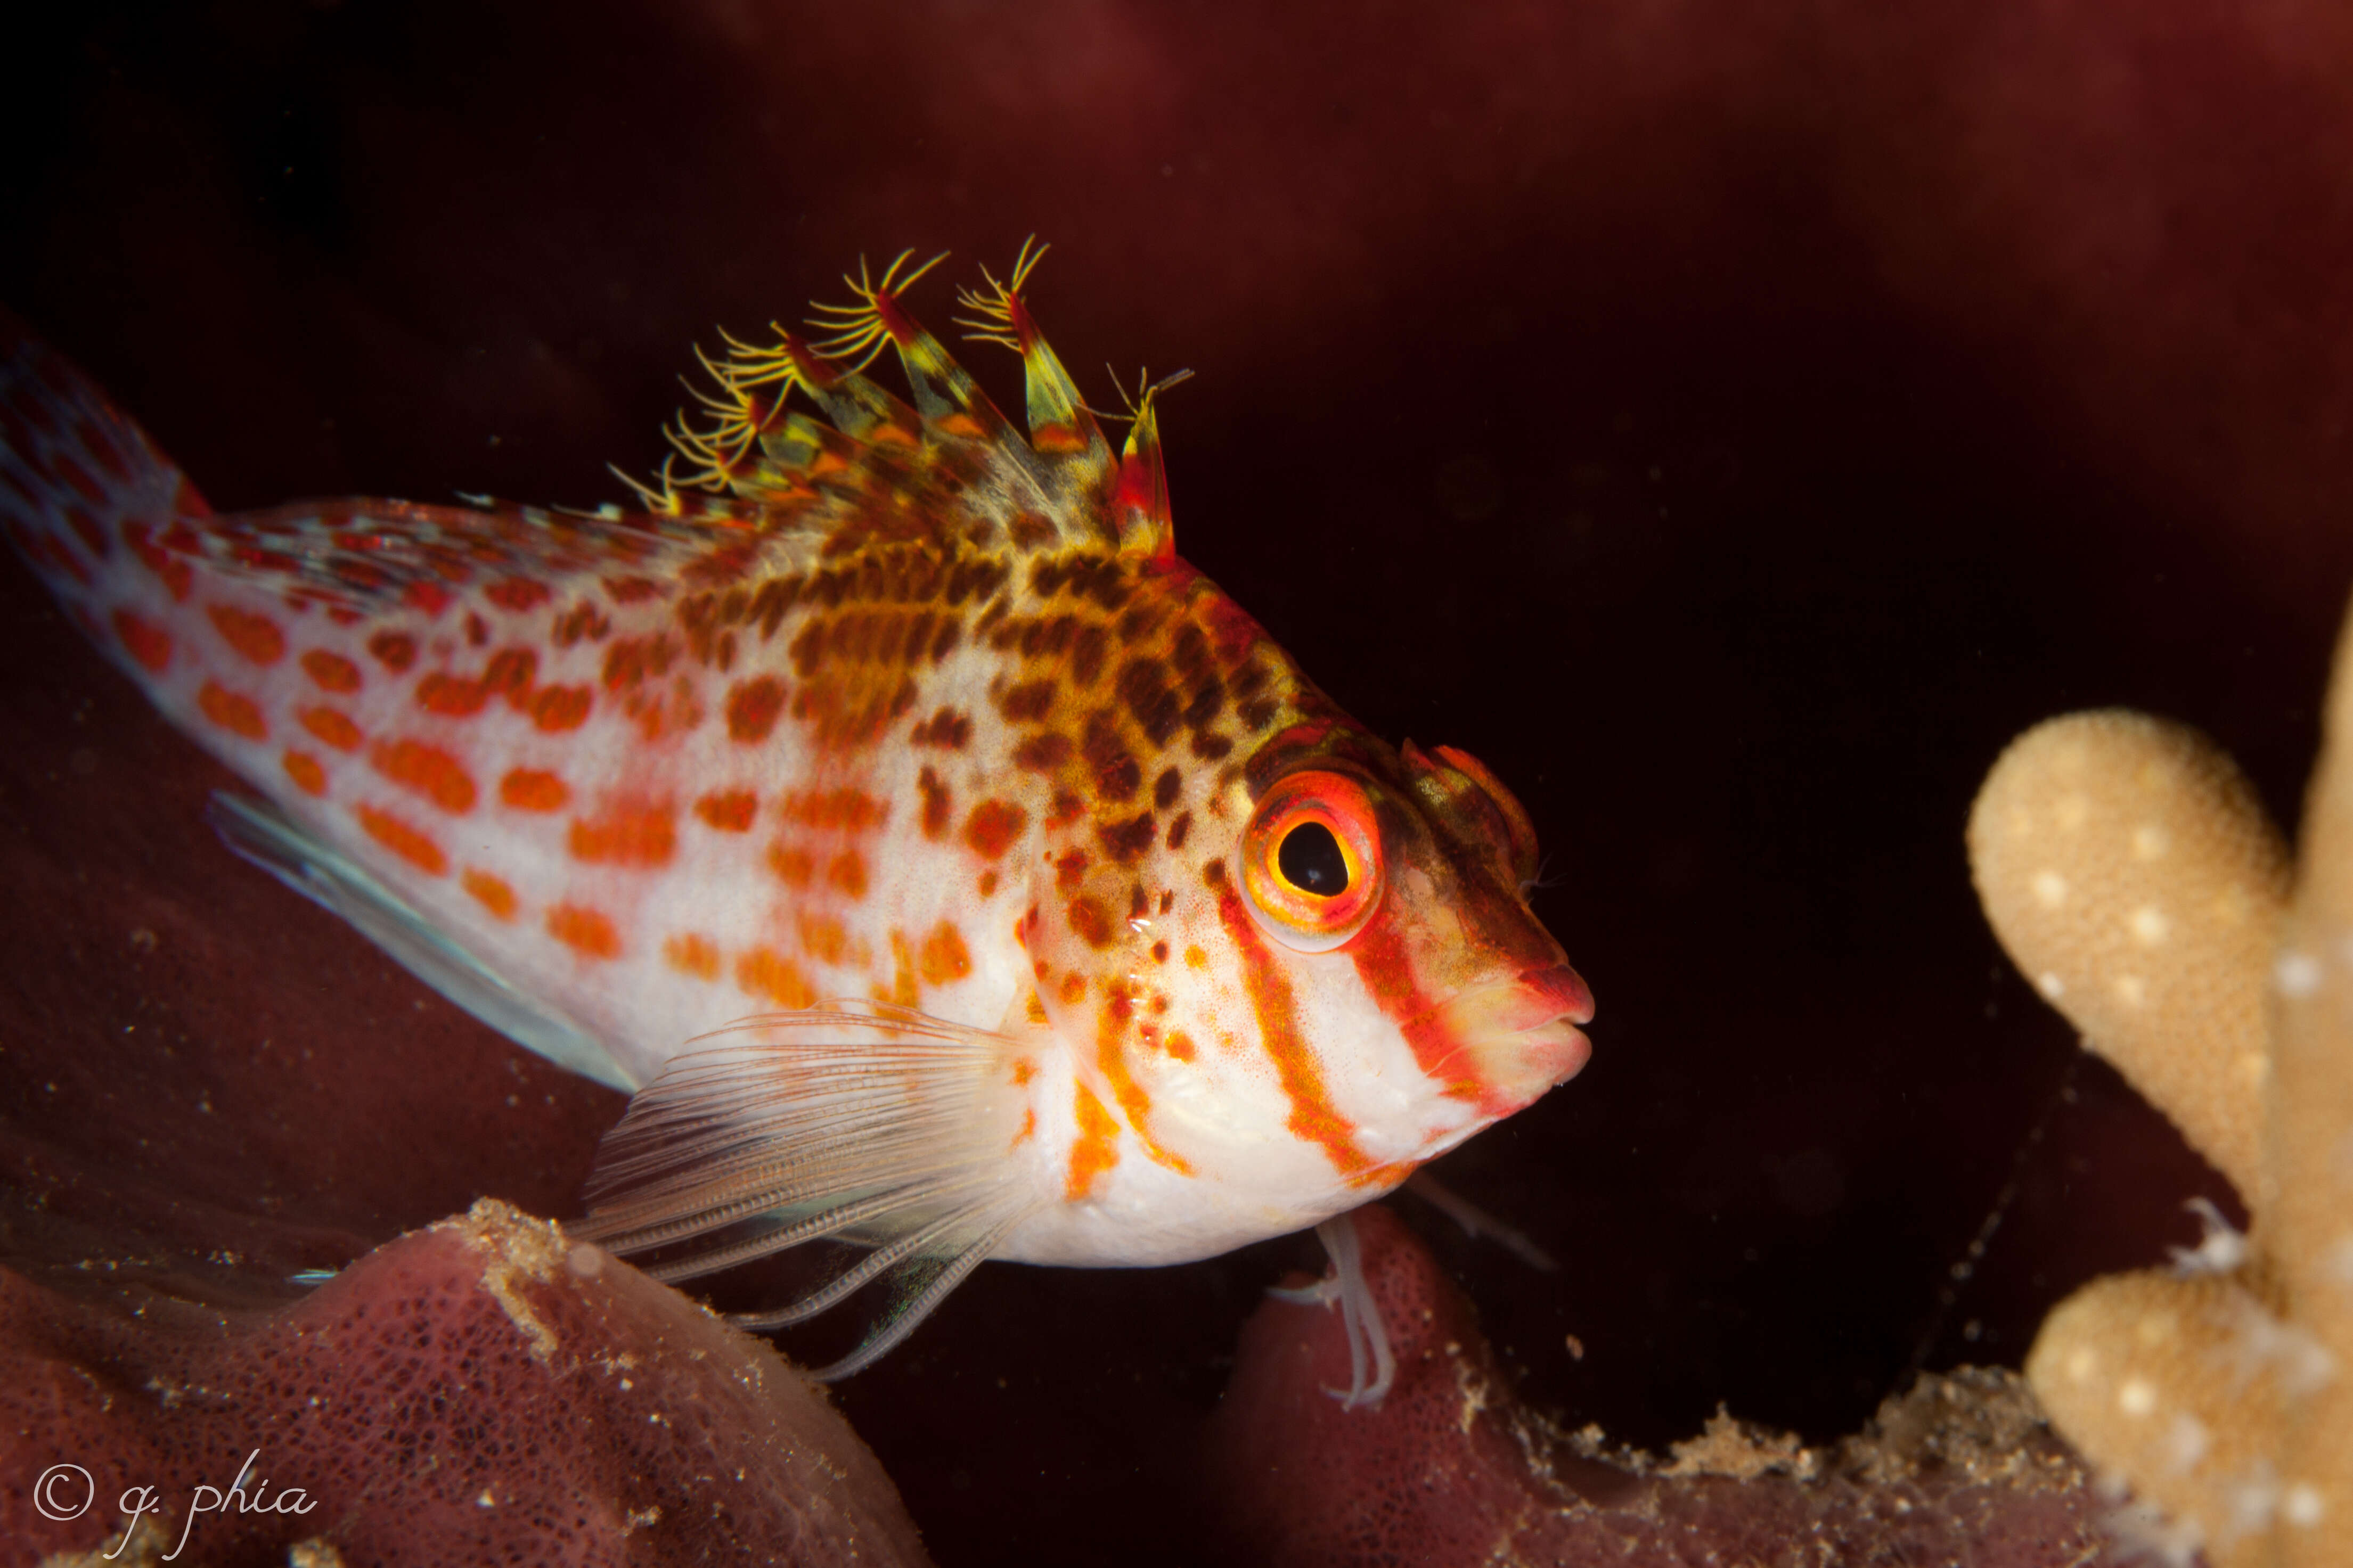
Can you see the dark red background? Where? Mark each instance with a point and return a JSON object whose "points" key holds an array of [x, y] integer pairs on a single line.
{"points": [[1730, 421]]}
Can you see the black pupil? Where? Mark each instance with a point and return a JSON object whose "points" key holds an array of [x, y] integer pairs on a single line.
{"points": [[1310, 860]]}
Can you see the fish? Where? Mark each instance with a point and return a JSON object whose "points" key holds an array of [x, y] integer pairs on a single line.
{"points": [[947, 868]]}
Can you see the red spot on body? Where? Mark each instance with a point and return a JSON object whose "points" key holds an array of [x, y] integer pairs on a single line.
{"points": [[1094, 1150], [394, 650], [849, 811], [255, 636], [491, 892], [848, 874], [753, 707], [451, 695], [646, 836], [336, 728], [729, 811], [304, 770], [793, 864], [1089, 920], [417, 849], [331, 671], [148, 644], [517, 593], [428, 596], [585, 931], [428, 771], [236, 714], [533, 789], [176, 576], [556, 708]]}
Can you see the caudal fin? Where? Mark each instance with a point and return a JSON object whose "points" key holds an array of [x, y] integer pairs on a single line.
{"points": [[89, 502]]}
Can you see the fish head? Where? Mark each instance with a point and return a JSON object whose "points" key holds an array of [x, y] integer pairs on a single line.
{"points": [[1331, 975]]}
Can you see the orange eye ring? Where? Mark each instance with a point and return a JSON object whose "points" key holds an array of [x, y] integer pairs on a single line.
{"points": [[1311, 861]]}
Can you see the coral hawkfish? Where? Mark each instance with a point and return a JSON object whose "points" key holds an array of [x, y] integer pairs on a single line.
{"points": [[948, 866]]}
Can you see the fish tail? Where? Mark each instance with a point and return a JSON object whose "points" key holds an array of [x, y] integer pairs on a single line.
{"points": [[102, 517]]}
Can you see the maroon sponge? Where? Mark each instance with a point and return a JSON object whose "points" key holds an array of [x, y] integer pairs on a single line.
{"points": [[482, 1392], [1451, 1470]]}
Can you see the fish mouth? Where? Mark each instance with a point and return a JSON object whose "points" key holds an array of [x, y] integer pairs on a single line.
{"points": [[1520, 1035]]}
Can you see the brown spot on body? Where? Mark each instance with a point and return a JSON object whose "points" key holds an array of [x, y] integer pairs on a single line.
{"points": [[728, 811], [645, 835], [989, 883], [1114, 768], [936, 806], [150, 645], [331, 671], [255, 636], [1165, 788], [1071, 869], [491, 892], [1043, 753], [1089, 920], [992, 827], [1126, 841], [428, 771], [417, 849], [517, 593], [533, 789], [1178, 829], [304, 770], [334, 728], [753, 707], [690, 953], [394, 650], [586, 931], [556, 708], [232, 712], [1028, 702], [1144, 687], [946, 728], [1160, 952]]}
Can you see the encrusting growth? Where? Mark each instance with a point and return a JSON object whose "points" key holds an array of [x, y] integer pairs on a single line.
{"points": [[2131, 874]]}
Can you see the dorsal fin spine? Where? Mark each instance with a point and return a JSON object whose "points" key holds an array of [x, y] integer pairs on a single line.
{"points": [[1140, 500]]}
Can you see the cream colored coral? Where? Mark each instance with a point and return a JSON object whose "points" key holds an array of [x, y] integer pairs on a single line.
{"points": [[2125, 863], [2131, 870]]}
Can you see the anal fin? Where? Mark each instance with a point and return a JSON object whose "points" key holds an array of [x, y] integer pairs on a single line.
{"points": [[258, 832]]}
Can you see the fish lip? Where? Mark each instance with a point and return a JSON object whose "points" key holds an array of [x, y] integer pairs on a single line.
{"points": [[1522, 1033]]}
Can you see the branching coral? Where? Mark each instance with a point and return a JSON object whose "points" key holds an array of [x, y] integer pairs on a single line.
{"points": [[2130, 872]]}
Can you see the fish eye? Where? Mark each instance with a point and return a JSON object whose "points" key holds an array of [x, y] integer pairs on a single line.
{"points": [[1311, 860]]}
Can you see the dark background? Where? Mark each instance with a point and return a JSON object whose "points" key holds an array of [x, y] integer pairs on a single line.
{"points": [[1732, 422]]}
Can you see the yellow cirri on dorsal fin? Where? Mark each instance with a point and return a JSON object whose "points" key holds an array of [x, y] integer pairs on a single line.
{"points": [[946, 466]]}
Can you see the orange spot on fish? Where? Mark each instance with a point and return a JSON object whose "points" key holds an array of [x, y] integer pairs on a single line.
{"points": [[533, 789], [236, 714], [304, 770], [690, 953], [935, 804], [1096, 1148], [585, 931], [1089, 920], [836, 810], [1179, 1044], [1268, 984], [429, 771], [822, 937], [945, 957], [764, 973], [556, 708], [992, 827], [794, 864], [1195, 958], [417, 849], [848, 873], [989, 883], [491, 892], [451, 695], [255, 636], [334, 728], [902, 981], [1028, 1127], [753, 707], [1075, 988], [645, 836], [331, 671], [148, 644], [729, 811]]}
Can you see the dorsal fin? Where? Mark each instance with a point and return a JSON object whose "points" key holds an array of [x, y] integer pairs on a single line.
{"points": [[947, 466]]}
